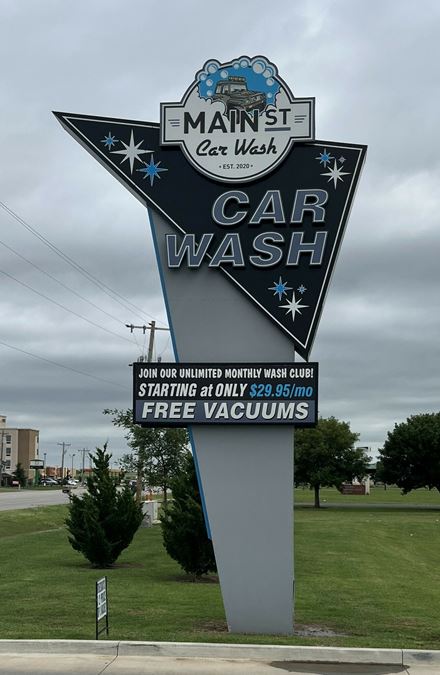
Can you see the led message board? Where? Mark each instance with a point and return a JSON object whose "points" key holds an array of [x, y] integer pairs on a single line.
{"points": [[170, 394]]}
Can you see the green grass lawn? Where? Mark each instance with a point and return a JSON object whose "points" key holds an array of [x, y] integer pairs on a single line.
{"points": [[378, 495], [371, 576]]}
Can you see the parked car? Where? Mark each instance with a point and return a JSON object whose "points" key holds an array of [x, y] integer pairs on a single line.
{"points": [[48, 481]]}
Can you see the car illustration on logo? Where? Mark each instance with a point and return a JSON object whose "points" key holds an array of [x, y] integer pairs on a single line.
{"points": [[233, 92]]}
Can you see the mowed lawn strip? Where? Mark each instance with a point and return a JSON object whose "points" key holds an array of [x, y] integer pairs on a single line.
{"points": [[370, 576], [378, 495]]}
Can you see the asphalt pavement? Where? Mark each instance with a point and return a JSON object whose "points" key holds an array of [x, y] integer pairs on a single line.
{"points": [[26, 499]]}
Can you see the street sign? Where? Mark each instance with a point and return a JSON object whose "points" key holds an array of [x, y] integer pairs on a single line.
{"points": [[36, 464]]}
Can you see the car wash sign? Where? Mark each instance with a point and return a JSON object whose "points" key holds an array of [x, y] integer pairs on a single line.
{"points": [[235, 169]]}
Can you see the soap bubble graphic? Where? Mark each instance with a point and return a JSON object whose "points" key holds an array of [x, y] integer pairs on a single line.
{"points": [[259, 73]]}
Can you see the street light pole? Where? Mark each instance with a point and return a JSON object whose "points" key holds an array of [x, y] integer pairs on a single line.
{"points": [[73, 455]]}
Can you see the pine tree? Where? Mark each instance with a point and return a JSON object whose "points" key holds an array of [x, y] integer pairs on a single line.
{"points": [[20, 474], [183, 525], [104, 520]]}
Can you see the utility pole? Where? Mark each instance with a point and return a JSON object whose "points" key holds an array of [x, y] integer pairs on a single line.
{"points": [[152, 328], [65, 446], [83, 451]]}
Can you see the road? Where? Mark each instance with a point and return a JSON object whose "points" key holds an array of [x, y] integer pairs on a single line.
{"points": [[25, 499]]}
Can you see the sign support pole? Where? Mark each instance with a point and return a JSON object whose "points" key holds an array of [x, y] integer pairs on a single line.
{"points": [[246, 473]]}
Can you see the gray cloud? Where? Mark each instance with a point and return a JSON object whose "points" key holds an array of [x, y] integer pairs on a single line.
{"points": [[372, 70]]}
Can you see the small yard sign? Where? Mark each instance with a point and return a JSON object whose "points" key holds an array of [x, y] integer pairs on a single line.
{"points": [[101, 605]]}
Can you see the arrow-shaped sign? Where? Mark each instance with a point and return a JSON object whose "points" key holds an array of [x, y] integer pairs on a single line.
{"points": [[276, 238]]}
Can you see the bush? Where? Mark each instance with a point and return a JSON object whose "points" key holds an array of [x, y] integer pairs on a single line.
{"points": [[183, 526], [103, 521]]}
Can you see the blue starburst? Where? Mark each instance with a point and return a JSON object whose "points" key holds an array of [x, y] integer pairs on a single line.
{"points": [[324, 157], [109, 140], [301, 289], [152, 170], [280, 288]]}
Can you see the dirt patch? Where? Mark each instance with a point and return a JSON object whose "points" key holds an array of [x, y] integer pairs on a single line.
{"points": [[302, 630], [310, 630], [188, 578], [212, 626]]}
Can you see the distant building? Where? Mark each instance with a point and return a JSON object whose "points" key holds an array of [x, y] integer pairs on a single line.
{"points": [[17, 446], [52, 472]]}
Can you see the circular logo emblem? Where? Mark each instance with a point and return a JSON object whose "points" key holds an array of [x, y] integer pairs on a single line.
{"points": [[237, 120]]}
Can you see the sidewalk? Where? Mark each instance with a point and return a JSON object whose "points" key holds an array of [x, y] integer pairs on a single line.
{"points": [[82, 657]]}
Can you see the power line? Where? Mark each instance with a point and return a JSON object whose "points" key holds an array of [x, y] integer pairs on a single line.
{"points": [[66, 258], [165, 348], [61, 283], [82, 270], [59, 304], [61, 365]]}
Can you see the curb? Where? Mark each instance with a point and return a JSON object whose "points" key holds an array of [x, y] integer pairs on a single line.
{"points": [[203, 650], [297, 654], [61, 647]]}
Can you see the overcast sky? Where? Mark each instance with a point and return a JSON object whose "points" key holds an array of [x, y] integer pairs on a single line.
{"points": [[373, 68]]}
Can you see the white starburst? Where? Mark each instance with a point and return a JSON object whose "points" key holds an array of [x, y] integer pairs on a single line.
{"points": [[131, 151], [335, 174], [293, 306]]}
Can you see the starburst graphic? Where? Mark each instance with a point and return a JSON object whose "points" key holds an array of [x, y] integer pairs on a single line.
{"points": [[293, 306], [324, 158], [109, 140], [280, 288], [151, 170], [335, 174], [301, 289], [131, 151]]}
